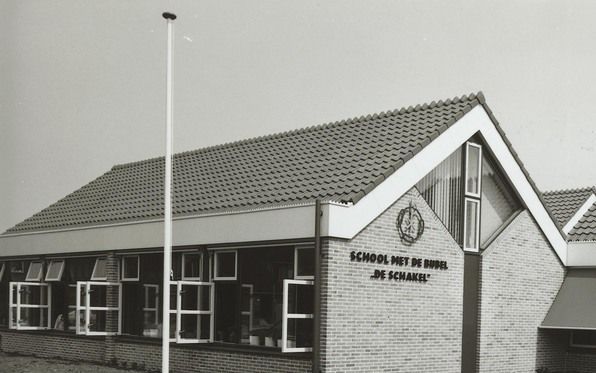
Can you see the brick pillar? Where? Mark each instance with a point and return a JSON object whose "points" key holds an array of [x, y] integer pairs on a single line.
{"points": [[112, 269]]}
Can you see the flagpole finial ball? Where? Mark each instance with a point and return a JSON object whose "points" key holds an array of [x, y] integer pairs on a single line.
{"points": [[170, 16]]}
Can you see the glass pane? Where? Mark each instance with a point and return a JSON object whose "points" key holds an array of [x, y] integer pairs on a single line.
{"points": [[34, 273], [195, 326], [55, 269], [245, 329], [443, 190], [306, 262], [300, 333], [98, 295], [498, 201], [131, 267], [471, 225], [173, 297], [472, 171], [246, 298], [150, 324], [300, 299], [37, 295], [192, 265], [584, 338], [13, 317], [34, 317], [97, 322], [226, 264], [100, 269], [196, 298], [172, 325], [151, 297], [72, 313]]}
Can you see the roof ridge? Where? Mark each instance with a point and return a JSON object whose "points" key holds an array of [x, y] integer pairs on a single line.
{"points": [[356, 119], [571, 190]]}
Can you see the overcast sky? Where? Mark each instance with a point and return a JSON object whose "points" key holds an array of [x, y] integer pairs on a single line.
{"points": [[82, 82]]}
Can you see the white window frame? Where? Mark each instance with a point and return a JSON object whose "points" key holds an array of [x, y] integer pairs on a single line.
{"points": [[287, 316], [73, 307], [93, 276], [20, 270], [2, 269], [296, 276], [184, 277], [87, 308], [250, 310], [146, 307], [123, 268], [29, 278], [53, 262], [477, 202], [479, 147], [180, 312], [19, 305], [216, 277]]}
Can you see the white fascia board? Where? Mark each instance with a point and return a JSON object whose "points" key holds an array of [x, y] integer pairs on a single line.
{"points": [[581, 254], [579, 213], [346, 222], [283, 223]]}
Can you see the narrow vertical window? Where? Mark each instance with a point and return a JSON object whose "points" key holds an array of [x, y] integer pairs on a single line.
{"points": [[151, 311], [471, 224], [2, 268], [99, 270], [191, 266], [297, 316], [473, 165]]}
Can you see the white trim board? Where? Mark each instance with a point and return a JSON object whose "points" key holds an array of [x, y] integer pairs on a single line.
{"points": [[579, 213], [297, 222]]}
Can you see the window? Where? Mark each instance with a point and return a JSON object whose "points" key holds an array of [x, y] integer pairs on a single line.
{"points": [[191, 321], [30, 305], [298, 314], [226, 265], [151, 326], [583, 338], [130, 268], [17, 267], [246, 311], [55, 269], [2, 268], [304, 263], [471, 224], [35, 272], [95, 314], [192, 266], [473, 166], [99, 270]]}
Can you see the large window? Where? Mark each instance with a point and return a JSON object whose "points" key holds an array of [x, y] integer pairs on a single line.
{"points": [[191, 312], [29, 305], [95, 309]]}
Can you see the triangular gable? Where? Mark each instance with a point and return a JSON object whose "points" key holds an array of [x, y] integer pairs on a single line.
{"points": [[346, 222]]}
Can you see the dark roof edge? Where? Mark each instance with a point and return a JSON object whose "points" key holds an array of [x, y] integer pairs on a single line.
{"points": [[571, 190]]}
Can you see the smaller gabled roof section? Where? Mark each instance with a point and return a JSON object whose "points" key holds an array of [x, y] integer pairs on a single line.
{"points": [[585, 229], [564, 204]]}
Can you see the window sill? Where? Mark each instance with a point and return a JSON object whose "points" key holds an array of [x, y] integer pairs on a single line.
{"points": [[218, 346], [51, 332]]}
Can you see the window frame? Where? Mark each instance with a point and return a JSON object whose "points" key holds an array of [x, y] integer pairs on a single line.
{"points": [[61, 272], [87, 308], [179, 312], [477, 241], [183, 275], [571, 344], [2, 269], [249, 312], [93, 276], [39, 274], [19, 305], [287, 316], [215, 267], [467, 170], [302, 277], [146, 308], [123, 269]]}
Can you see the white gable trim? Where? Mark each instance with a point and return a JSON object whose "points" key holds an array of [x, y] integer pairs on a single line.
{"points": [[579, 213], [346, 222]]}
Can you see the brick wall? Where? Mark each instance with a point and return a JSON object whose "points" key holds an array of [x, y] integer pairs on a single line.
{"points": [[520, 277], [380, 325], [581, 362]]}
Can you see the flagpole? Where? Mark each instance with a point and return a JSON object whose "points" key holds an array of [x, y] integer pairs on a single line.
{"points": [[167, 249]]}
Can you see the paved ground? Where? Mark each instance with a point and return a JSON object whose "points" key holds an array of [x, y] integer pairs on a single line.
{"points": [[25, 364]]}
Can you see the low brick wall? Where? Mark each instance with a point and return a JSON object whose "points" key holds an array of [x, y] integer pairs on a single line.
{"points": [[147, 356], [580, 362]]}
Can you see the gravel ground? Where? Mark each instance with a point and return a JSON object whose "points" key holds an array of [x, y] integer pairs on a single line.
{"points": [[27, 364]]}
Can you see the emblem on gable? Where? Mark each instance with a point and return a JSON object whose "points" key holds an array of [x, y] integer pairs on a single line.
{"points": [[410, 224]]}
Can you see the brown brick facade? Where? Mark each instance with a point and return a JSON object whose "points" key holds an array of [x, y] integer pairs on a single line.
{"points": [[381, 325], [520, 277]]}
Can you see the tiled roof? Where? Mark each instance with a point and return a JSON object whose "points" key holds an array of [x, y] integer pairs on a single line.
{"points": [[585, 229], [340, 161], [565, 203]]}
